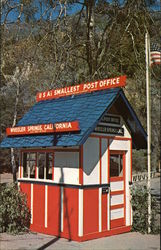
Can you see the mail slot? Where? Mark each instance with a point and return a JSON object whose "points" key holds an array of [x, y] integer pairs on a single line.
{"points": [[105, 190]]}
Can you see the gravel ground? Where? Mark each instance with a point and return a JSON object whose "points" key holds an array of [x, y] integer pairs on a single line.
{"points": [[127, 241]]}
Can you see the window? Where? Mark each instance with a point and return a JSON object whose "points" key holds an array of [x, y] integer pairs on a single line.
{"points": [[29, 165], [43, 161], [49, 165], [41, 165], [116, 165]]}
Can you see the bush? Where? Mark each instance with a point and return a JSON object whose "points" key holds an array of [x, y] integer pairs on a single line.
{"points": [[140, 210], [14, 212]]}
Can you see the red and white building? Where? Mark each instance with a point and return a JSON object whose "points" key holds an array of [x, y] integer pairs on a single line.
{"points": [[75, 166]]}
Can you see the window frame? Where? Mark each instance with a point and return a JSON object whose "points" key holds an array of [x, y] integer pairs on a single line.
{"points": [[41, 150], [36, 151], [118, 152], [28, 168]]}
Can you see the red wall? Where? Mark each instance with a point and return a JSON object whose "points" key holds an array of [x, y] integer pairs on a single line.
{"points": [[70, 212], [117, 223], [90, 211], [54, 212], [38, 207]]}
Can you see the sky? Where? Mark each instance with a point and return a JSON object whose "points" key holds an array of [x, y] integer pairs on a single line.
{"points": [[71, 9]]}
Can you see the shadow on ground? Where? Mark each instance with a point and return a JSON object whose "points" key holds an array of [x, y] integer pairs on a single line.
{"points": [[48, 244]]}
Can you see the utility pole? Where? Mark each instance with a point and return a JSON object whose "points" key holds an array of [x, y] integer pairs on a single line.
{"points": [[147, 53]]}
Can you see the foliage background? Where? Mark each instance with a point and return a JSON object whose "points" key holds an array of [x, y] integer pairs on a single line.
{"points": [[14, 211], [47, 44], [140, 210]]}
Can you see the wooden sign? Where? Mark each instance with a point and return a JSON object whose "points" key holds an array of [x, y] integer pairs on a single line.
{"points": [[82, 88], [44, 128], [109, 130], [111, 119]]}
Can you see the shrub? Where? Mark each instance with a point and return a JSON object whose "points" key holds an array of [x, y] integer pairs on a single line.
{"points": [[140, 210], [14, 212]]}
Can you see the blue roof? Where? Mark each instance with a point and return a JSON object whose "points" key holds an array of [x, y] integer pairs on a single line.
{"points": [[86, 108]]}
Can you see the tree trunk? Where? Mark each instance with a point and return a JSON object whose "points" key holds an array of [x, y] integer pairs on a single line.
{"points": [[90, 46], [13, 162]]}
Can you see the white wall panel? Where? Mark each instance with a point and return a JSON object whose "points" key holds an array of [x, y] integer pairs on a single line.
{"points": [[104, 161], [32, 198], [126, 132], [46, 206], [119, 145], [127, 179], [66, 175], [62, 209], [66, 167], [117, 186], [100, 210], [80, 213], [117, 213], [108, 210], [91, 162], [117, 199]]}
